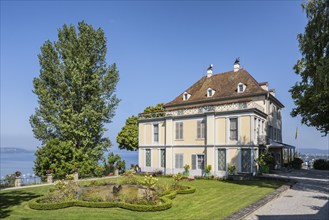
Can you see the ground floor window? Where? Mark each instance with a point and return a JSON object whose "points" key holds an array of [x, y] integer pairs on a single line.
{"points": [[162, 158], [179, 160], [197, 161], [246, 160], [148, 157], [221, 159]]}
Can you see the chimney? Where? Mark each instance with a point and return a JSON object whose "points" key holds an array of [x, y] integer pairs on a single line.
{"points": [[209, 71], [236, 66]]}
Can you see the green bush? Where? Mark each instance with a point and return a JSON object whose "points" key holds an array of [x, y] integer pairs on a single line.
{"points": [[8, 181], [297, 163], [321, 164]]}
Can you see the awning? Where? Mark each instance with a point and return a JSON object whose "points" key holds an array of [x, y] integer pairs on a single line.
{"points": [[276, 144]]}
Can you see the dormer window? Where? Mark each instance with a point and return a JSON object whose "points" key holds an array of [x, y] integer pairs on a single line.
{"points": [[186, 96], [210, 92], [241, 87]]}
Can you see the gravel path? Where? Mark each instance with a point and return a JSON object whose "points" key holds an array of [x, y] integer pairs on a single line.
{"points": [[307, 199]]}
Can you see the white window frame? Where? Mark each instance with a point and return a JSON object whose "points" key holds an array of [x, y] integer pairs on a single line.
{"points": [[225, 151], [201, 126], [180, 133], [146, 150], [243, 87], [212, 92], [197, 162], [153, 136], [237, 129], [161, 149], [176, 165], [186, 96]]}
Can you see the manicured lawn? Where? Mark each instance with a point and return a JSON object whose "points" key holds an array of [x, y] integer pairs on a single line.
{"points": [[212, 200]]}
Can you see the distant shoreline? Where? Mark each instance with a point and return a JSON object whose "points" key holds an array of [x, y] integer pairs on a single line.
{"points": [[14, 150]]}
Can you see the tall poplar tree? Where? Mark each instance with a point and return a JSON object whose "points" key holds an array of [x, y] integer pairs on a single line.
{"points": [[311, 94], [76, 95]]}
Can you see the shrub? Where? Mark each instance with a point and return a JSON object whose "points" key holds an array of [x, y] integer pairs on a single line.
{"points": [[129, 178], [64, 191], [231, 169], [8, 181], [208, 169], [297, 163], [321, 164], [186, 170]]}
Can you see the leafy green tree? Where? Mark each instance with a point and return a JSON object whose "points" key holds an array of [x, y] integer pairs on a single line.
{"points": [[114, 162], [311, 94], [76, 95], [128, 136]]}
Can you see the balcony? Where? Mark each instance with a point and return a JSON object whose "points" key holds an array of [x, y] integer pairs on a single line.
{"points": [[203, 109], [219, 108]]}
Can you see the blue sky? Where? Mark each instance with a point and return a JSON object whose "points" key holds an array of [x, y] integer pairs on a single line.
{"points": [[161, 48]]}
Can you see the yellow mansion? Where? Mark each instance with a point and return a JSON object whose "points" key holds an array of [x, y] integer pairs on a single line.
{"points": [[223, 119]]}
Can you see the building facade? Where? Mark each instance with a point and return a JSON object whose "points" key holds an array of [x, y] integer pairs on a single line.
{"points": [[223, 119]]}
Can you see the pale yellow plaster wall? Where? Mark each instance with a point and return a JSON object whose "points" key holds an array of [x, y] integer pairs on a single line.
{"points": [[162, 133], [155, 158], [141, 134], [245, 130], [189, 133], [148, 135], [221, 130], [233, 155]]}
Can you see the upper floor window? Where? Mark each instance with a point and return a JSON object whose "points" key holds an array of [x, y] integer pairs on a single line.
{"points": [[179, 130], [186, 96], [156, 132], [241, 87], [210, 92], [201, 129], [234, 129]]}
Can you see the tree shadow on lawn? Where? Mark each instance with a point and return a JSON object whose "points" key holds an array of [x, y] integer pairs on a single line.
{"points": [[13, 198]]}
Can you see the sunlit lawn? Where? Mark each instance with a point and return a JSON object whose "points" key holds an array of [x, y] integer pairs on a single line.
{"points": [[212, 200]]}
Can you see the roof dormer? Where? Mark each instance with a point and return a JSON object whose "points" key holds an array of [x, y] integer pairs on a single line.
{"points": [[241, 88], [186, 96], [210, 92]]}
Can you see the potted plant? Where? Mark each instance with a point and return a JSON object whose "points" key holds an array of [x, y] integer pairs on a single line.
{"points": [[18, 173], [231, 169], [49, 175], [18, 178], [186, 170], [208, 169]]}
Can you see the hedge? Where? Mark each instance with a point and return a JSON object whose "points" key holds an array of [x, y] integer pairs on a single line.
{"points": [[166, 203], [321, 164]]}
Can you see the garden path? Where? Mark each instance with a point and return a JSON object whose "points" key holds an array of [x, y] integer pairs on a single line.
{"points": [[307, 199]]}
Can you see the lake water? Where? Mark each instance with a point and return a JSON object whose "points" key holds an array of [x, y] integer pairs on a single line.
{"points": [[24, 162]]}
